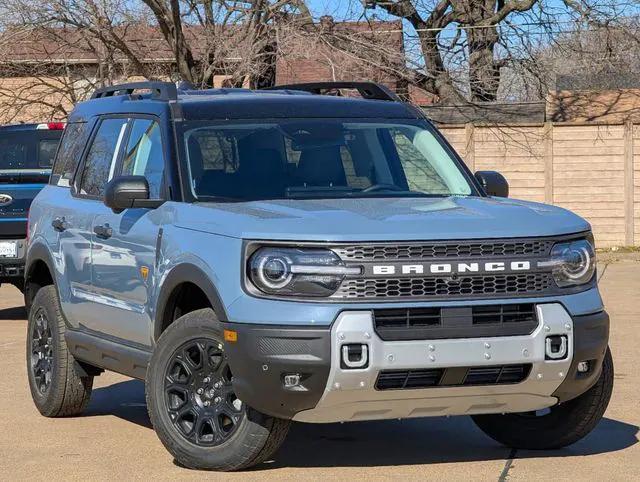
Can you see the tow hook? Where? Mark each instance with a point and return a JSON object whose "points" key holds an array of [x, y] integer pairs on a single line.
{"points": [[556, 347], [354, 356]]}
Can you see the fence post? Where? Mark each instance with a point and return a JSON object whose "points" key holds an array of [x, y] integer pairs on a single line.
{"points": [[547, 132], [628, 185], [470, 146]]}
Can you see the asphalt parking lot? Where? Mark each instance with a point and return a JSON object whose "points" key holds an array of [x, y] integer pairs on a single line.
{"points": [[114, 439]]}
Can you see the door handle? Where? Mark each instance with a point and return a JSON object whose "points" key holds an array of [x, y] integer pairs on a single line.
{"points": [[103, 232], [59, 224]]}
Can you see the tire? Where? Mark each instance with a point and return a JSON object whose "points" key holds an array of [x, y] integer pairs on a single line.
{"points": [[208, 429], [563, 425], [56, 388]]}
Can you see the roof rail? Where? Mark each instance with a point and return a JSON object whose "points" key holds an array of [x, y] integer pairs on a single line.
{"points": [[368, 90], [159, 90]]}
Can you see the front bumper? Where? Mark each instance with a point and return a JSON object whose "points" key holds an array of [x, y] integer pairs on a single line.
{"points": [[329, 392]]}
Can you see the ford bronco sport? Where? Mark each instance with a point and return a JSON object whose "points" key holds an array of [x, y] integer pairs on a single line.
{"points": [[259, 257], [26, 153]]}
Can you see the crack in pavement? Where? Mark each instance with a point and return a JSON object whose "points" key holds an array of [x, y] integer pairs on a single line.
{"points": [[504, 475], [604, 270], [507, 466]]}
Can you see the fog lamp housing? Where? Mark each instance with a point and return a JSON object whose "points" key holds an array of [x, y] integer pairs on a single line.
{"points": [[584, 366]]}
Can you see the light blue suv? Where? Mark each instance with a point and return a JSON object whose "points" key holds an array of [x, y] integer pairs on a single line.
{"points": [[266, 256]]}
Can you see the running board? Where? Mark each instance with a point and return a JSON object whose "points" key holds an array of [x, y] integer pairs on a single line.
{"points": [[108, 354]]}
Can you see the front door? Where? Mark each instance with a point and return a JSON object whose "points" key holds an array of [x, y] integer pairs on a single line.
{"points": [[124, 244]]}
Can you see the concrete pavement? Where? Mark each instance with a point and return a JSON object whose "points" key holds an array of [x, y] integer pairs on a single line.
{"points": [[113, 440]]}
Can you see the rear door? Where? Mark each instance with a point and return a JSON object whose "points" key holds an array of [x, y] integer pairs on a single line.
{"points": [[56, 220], [124, 244]]}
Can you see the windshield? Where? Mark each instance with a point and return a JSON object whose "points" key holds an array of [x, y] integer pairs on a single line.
{"points": [[319, 159]]}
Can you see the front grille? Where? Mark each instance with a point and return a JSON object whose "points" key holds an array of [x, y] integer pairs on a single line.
{"points": [[464, 286], [434, 323], [500, 375], [517, 313], [401, 379], [441, 270], [407, 317], [463, 249], [452, 377]]}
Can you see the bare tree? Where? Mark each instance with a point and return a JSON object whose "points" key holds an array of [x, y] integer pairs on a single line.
{"points": [[349, 50], [60, 50], [233, 37], [458, 50]]}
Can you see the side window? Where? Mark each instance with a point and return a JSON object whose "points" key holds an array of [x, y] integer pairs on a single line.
{"points": [[338, 161], [144, 155], [214, 150], [102, 156], [354, 179], [72, 144], [421, 174], [46, 151]]}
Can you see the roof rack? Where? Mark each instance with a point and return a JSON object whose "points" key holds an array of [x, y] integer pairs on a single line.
{"points": [[368, 90], [159, 90]]}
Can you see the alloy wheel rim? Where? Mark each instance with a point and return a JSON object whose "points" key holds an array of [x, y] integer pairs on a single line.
{"points": [[41, 352], [198, 393]]}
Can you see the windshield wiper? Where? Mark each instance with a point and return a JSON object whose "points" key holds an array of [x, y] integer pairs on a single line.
{"points": [[383, 187], [220, 199], [393, 193]]}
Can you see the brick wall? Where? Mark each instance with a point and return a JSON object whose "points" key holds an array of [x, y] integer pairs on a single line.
{"points": [[25, 99]]}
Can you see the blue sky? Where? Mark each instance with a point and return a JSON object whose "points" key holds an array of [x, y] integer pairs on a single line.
{"points": [[529, 29], [522, 32], [337, 8], [555, 9]]}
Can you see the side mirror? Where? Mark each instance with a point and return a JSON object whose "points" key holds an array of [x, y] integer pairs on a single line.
{"points": [[126, 192], [493, 183]]}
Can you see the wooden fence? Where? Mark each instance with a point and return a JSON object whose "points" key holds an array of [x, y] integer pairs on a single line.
{"points": [[593, 170]]}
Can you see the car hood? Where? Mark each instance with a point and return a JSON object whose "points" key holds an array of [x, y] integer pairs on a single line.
{"points": [[381, 219]]}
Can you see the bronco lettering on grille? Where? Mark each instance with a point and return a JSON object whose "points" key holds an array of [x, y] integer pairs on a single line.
{"points": [[448, 268]]}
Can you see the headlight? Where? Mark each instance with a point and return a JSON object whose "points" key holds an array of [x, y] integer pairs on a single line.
{"points": [[297, 272], [572, 263]]}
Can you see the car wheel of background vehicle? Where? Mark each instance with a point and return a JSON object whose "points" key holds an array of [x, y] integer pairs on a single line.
{"points": [[193, 407], [557, 427], [56, 388]]}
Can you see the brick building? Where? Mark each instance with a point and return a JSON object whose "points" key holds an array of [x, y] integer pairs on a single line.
{"points": [[45, 72]]}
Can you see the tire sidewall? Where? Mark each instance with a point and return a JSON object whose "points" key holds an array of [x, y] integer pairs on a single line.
{"points": [[189, 327], [566, 424], [43, 300]]}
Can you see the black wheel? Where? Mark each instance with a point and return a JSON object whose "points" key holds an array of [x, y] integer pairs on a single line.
{"points": [[558, 426], [192, 404], [56, 388]]}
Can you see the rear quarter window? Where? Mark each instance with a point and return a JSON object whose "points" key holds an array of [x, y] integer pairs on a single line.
{"points": [[72, 145]]}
